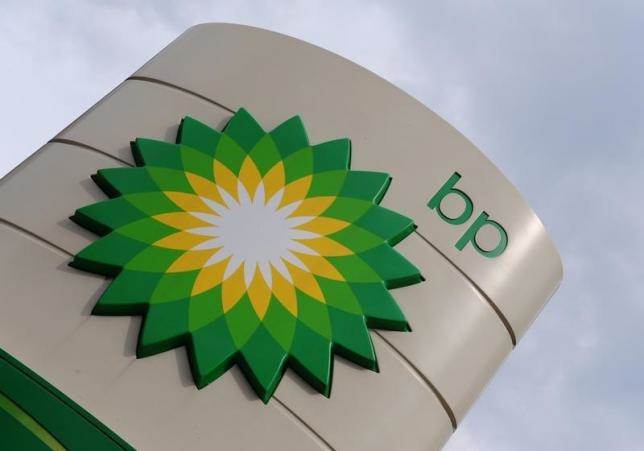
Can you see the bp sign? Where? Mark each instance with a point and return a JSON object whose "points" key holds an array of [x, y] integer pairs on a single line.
{"points": [[249, 247], [240, 254], [469, 237]]}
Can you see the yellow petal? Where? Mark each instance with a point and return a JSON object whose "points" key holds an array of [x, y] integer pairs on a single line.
{"points": [[284, 291], [313, 206], [326, 247], [274, 180], [181, 240], [233, 288], [209, 277], [305, 282], [259, 294], [323, 226], [204, 187], [319, 266], [249, 176], [225, 179], [180, 220], [188, 202], [296, 190], [191, 260]]}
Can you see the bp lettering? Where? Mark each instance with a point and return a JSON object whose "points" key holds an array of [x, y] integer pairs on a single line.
{"points": [[481, 221]]}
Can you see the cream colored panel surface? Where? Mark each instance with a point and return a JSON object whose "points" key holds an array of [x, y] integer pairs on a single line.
{"points": [[275, 76], [371, 411], [457, 341], [138, 109], [41, 193], [152, 403]]}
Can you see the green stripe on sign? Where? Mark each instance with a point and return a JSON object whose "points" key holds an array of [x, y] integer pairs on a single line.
{"points": [[33, 402], [13, 409]]}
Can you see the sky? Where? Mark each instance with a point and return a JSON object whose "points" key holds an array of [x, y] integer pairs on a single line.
{"points": [[552, 91]]}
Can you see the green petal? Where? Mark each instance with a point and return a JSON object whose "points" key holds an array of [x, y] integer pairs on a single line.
{"points": [[332, 155], [352, 340], [173, 287], [117, 181], [197, 162], [108, 254], [327, 183], [290, 136], [279, 323], [311, 358], [242, 321], [152, 258], [165, 327], [313, 314], [230, 154], [356, 238], [170, 180], [354, 268], [390, 226], [146, 230], [104, 217], [338, 294], [299, 164], [212, 352], [128, 294], [391, 267], [346, 209], [265, 154], [369, 186], [263, 361], [198, 135], [380, 309], [150, 152], [205, 308], [151, 204], [244, 130]]}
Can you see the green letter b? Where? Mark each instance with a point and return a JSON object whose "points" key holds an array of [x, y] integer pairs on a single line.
{"points": [[447, 189]]}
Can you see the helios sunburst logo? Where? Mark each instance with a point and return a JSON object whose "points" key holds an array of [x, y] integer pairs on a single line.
{"points": [[249, 248]]}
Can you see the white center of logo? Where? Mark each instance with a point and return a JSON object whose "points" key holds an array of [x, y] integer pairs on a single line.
{"points": [[253, 232]]}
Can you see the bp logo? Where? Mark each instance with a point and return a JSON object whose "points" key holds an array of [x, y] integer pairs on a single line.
{"points": [[249, 248]]}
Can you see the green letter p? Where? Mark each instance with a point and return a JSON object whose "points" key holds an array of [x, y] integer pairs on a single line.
{"points": [[470, 236]]}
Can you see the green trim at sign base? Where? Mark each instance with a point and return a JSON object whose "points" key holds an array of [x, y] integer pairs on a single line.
{"points": [[36, 416], [21, 431]]}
